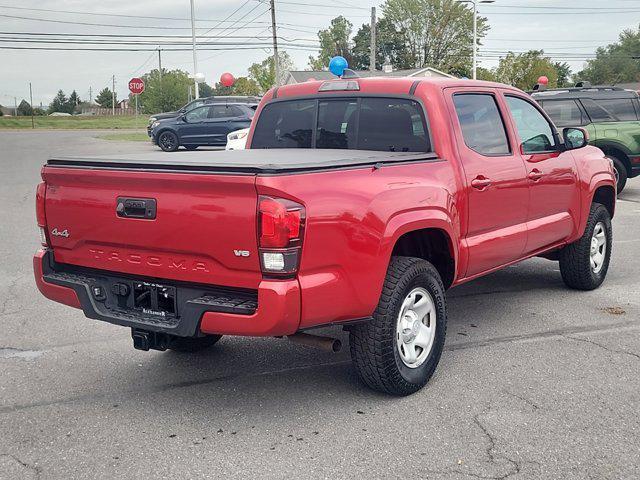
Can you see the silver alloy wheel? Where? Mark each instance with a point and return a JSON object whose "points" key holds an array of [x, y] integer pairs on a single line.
{"points": [[416, 327], [598, 249]]}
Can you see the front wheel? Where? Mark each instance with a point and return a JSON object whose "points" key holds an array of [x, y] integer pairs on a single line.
{"points": [[584, 263], [168, 141], [398, 350]]}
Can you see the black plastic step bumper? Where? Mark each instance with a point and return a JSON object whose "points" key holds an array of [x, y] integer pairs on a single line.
{"points": [[154, 305]]}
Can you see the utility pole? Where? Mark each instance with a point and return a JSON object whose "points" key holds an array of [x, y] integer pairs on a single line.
{"points": [[195, 59], [276, 66], [113, 95], [160, 78], [372, 54], [15, 106], [90, 96], [33, 122]]}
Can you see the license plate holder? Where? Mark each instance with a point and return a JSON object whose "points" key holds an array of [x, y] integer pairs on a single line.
{"points": [[155, 299]]}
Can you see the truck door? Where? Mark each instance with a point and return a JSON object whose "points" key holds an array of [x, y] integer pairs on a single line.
{"points": [[554, 196], [496, 183]]}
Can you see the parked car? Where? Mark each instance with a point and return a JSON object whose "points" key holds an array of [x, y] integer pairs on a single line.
{"points": [[357, 203], [248, 100], [237, 140], [208, 124], [610, 115]]}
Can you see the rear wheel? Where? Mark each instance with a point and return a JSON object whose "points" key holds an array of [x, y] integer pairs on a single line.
{"points": [[168, 141], [620, 171], [193, 344], [584, 263], [398, 350]]}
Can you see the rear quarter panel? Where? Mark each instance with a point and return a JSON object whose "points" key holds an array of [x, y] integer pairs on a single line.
{"points": [[354, 218]]}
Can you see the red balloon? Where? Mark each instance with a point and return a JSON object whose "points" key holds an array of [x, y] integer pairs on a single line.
{"points": [[227, 80], [543, 80]]}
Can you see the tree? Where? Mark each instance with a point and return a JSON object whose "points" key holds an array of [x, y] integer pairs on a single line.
{"points": [[616, 63], [105, 98], [74, 101], [242, 86], [435, 33], [563, 70], [389, 45], [166, 92], [523, 70], [485, 74], [264, 73], [1, 112], [24, 109], [334, 40], [60, 103]]}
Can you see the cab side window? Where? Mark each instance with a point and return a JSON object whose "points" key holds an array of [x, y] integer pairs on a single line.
{"points": [[482, 126], [533, 128]]}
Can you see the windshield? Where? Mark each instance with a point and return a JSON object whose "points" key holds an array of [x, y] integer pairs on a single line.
{"points": [[363, 123]]}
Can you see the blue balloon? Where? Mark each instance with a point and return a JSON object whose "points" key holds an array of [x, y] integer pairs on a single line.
{"points": [[337, 65]]}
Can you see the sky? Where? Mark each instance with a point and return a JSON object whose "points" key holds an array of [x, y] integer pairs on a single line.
{"points": [[567, 31]]}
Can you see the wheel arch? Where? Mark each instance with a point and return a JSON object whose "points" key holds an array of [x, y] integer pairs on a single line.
{"points": [[428, 234], [605, 194]]}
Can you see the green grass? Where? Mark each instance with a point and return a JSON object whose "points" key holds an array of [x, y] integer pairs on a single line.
{"points": [[126, 137], [76, 122]]}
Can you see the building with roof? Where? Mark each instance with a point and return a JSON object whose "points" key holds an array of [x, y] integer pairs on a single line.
{"points": [[299, 76]]}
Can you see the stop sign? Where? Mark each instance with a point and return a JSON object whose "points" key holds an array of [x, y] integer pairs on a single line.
{"points": [[136, 86]]}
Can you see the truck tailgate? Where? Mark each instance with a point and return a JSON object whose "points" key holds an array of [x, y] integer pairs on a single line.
{"points": [[204, 229]]}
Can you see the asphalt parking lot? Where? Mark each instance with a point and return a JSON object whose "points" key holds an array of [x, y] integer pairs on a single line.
{"points": [[537, 381]]}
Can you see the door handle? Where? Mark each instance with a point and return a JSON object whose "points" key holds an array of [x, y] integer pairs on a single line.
{"points": [[535, 175], [480, 182]]}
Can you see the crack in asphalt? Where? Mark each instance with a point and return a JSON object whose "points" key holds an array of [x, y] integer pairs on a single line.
{"points": [[604, 347], [11, 293], [34, 468], [529, 402], [560, 333]]}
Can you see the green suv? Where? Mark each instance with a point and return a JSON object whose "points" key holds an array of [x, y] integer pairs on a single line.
{"points": [[611, 115]]}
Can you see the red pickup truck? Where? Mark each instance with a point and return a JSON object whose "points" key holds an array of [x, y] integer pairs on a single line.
{"points": [[358, 202]]}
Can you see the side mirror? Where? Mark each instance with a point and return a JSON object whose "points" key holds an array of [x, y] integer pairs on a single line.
{"points": [[183, 118], [575, 137]]}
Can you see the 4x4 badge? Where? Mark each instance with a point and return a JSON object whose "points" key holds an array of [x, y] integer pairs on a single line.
{"points": [[56, 233]]}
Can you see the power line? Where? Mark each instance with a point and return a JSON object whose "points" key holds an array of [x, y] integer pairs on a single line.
{"points": [[105, 24], [155, 37], [228, 17]]}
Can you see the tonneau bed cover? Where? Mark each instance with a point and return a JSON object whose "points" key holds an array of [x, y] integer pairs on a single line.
{"points": [[258, 161]]}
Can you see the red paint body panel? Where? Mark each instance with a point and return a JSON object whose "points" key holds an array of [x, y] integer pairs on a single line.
{"points": [[204, 219], [56, 293], [354, 216]]}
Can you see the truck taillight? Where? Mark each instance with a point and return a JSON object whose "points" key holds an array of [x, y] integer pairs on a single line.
{"points": [[40, 216], [280, 234]]}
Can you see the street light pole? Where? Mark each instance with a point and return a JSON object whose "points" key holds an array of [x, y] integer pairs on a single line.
{"points": [[475, 30], [195, 59]]}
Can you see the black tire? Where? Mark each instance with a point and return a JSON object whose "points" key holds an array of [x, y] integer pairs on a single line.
{"points": [[191, 147], [373, 344], [193, 344], [621, 173], [168, 141], [575, 259]]}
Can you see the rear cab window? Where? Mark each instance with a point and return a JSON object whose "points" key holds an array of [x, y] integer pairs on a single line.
{"points": [[363, 123]]}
